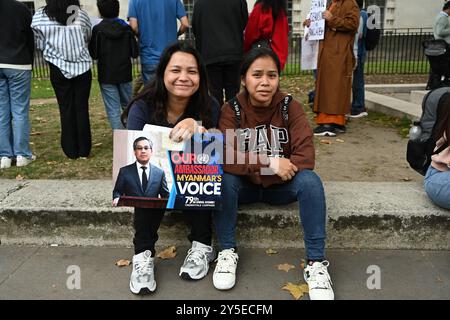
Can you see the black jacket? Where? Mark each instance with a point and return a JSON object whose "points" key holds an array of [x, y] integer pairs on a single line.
{"points": [[218, 26], [113, 45], [16, 35]]}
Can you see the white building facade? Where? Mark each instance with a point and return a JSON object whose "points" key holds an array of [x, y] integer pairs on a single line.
{"points": [[394, 13]]}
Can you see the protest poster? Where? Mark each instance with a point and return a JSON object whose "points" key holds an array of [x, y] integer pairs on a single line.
{"points": [[183, 175], [310, 52], [317, 26]]}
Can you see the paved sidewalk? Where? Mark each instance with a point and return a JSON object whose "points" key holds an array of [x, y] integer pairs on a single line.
{"points": [[43, 272]]}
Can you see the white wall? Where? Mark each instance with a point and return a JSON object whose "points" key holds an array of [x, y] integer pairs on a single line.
{"points": [[407, 14], [416, 13]]}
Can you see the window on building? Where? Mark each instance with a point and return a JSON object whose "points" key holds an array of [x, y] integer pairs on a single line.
{"points": [[30, 5], [189, 7], [289, 14]]}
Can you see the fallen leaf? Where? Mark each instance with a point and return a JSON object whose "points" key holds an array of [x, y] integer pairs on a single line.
{"points": [[296, 290], [285, 267], [97, 145], [36, 133], [19, 177], [271, 251], [324, 141], [339, 140], [406, 179], [123, 263], [168, 253], [438, 279], [302, 263], [51, 162]]}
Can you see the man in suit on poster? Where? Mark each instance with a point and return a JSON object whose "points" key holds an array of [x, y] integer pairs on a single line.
{"points": [[141, 178]]}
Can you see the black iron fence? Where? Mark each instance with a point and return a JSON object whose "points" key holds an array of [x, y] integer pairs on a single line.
{"points": [[398, 52]]}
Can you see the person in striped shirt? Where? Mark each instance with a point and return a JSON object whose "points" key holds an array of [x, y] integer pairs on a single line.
{"points": [[63, 31]]}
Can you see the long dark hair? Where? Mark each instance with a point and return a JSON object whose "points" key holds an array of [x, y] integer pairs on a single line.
{"points": [[155, 93], [276, 5], [57, 10], [443, 117]]}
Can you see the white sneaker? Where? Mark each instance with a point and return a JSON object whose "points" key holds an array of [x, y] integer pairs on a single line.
{"points": [[224, 276], [196, 263], [358, 114], [142, 279], [5, 163], [319, 281], [22, 161]]}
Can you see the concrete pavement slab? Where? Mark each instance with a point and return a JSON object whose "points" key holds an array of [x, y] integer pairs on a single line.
{"points": [[12, 258], [403, 274]]}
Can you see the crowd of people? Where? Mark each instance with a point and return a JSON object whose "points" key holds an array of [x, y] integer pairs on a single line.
{"points": [[185, 85]]}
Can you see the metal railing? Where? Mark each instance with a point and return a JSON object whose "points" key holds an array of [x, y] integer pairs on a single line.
{"points": [[398, 52]]}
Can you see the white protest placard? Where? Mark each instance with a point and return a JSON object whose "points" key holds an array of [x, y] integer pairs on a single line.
{"points": [[310, 51], [317, 27]]}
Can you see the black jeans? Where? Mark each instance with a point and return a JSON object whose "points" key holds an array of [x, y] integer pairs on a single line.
{"points": [[147, 222], [224, 76], [73, 100]]}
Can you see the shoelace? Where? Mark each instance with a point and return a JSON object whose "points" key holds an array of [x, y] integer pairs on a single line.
{"points": [[226, 261], [198, 255], [319, 275], [143, 267]]}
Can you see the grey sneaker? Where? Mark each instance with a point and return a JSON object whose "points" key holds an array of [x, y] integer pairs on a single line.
{"points": [[5, 163], [196, 263], [142, 279]]}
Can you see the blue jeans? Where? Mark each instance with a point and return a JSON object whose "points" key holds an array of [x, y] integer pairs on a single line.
{"points": [[15, 90], [358, 103], [148, 72], [437, 186], [306, 188], [115, 98]]}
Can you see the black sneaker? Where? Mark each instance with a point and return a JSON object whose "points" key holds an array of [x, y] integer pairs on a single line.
{"points": [[339, 129], [325, 130]]}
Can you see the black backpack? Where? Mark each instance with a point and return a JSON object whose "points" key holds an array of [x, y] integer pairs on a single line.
{"points": [[373, 35], [420, 148]]}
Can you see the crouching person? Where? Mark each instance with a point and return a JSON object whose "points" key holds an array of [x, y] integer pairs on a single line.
{"points": [[264, 124]]}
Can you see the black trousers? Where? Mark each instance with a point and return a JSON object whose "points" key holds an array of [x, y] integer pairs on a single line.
{"points": [[73, 100], [147, 222], [224, 76]]}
